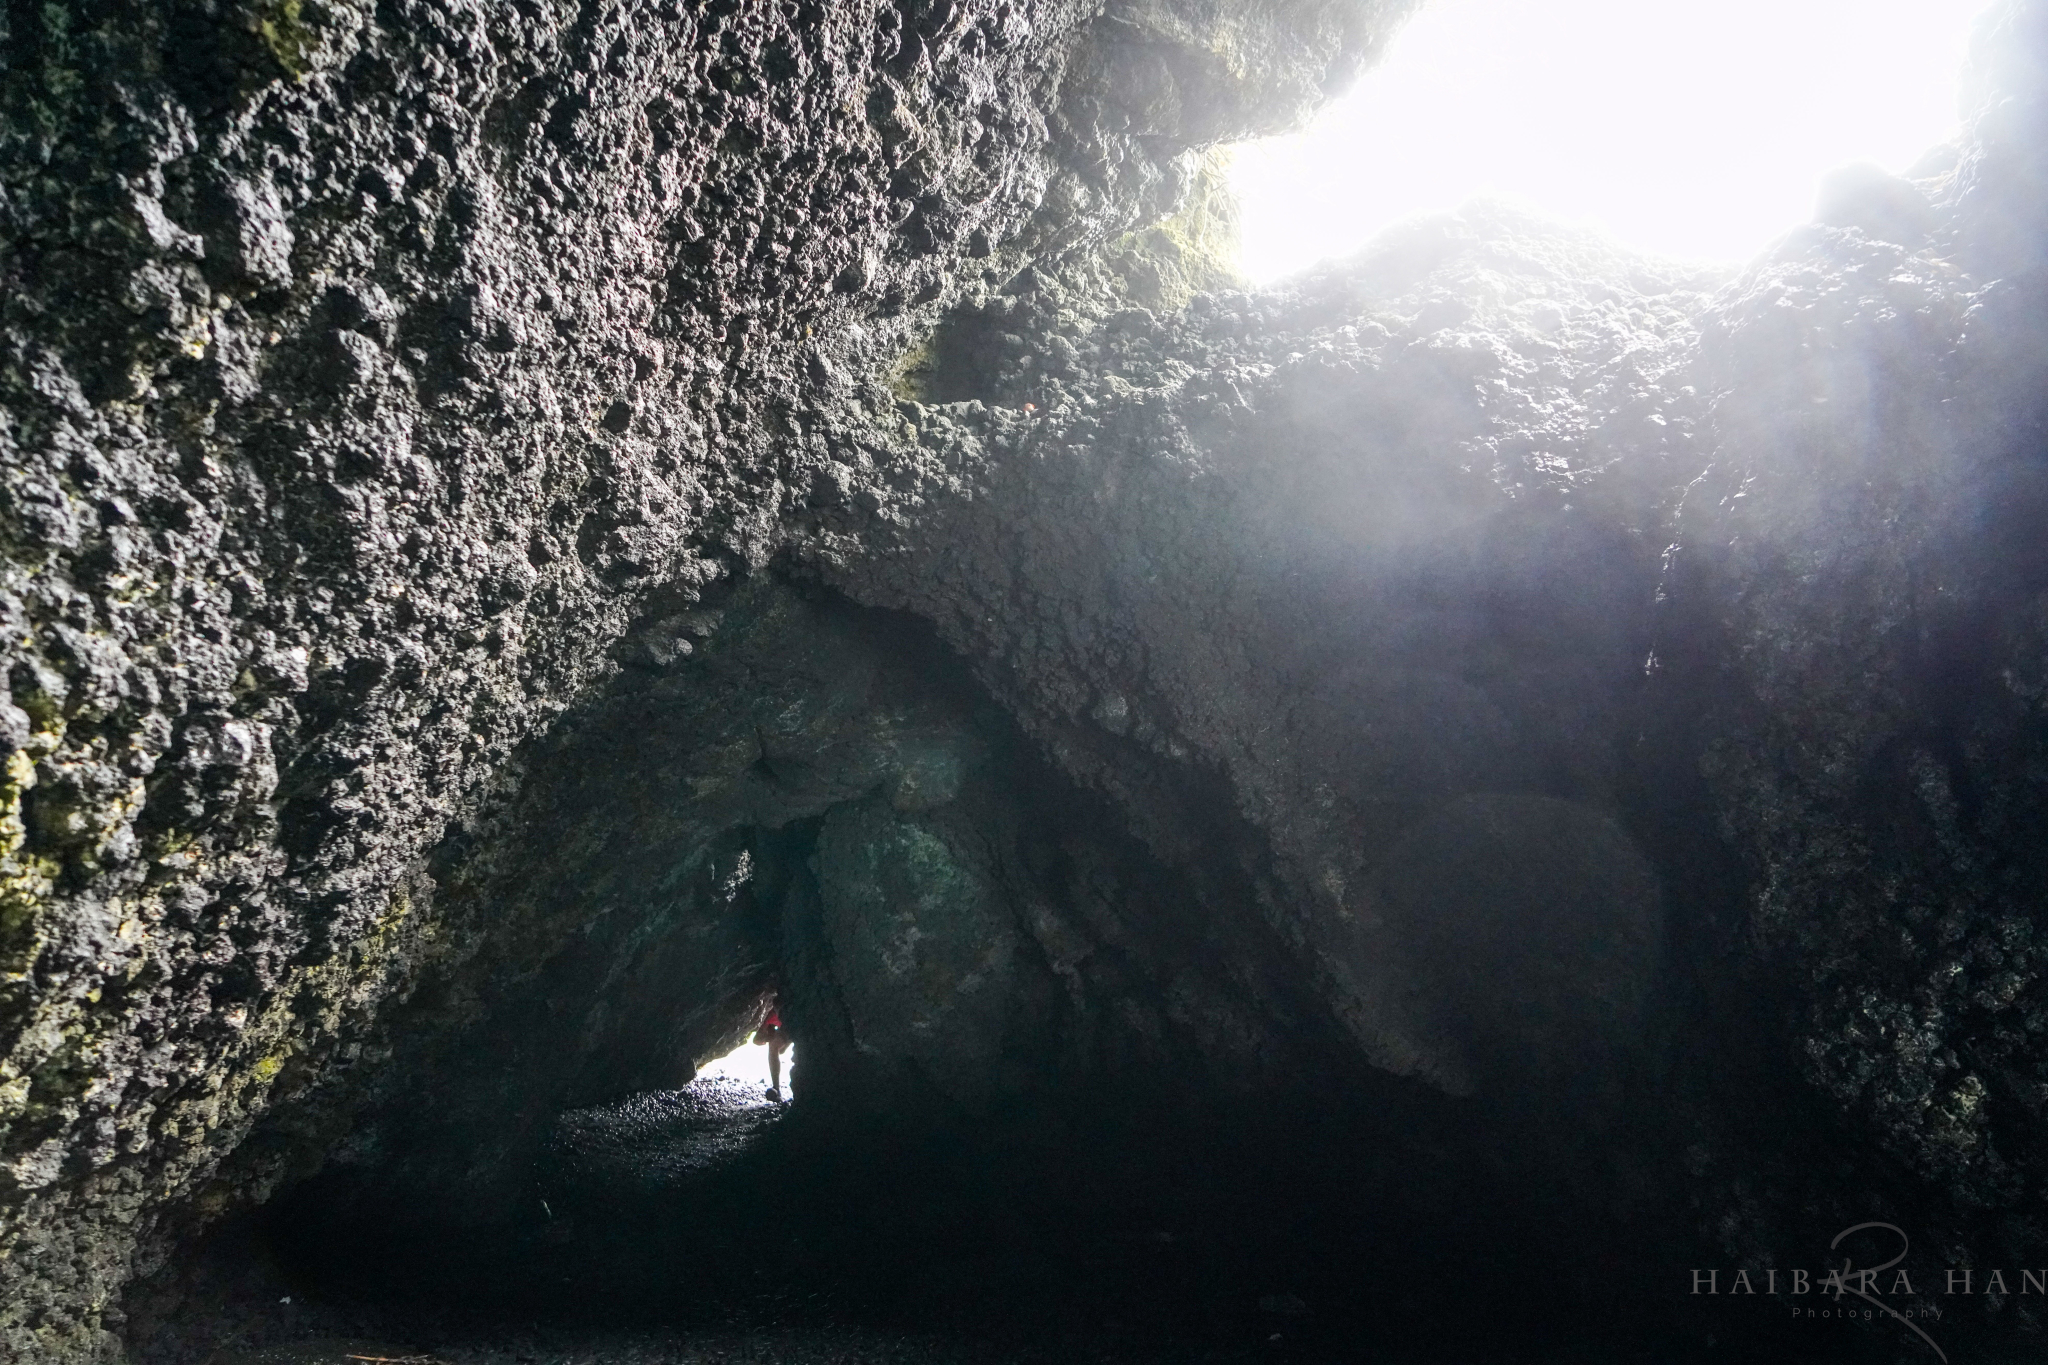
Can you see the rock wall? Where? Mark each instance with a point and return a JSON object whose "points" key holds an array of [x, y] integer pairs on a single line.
{"points": [[368, 370], [1496, 547], [527, 526]]}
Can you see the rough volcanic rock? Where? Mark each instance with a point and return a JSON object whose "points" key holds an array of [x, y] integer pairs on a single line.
{"points": [[1571, 721], [1494, 517], [367, 371], [1354, 551]]}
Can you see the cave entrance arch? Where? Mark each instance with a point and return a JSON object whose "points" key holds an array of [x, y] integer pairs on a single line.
{"points": [[747, 1065], [1035, 1058]]}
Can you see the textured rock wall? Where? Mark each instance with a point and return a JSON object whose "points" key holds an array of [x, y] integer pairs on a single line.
{"points": [[367, 370], [1606, 682], [1604, 693], [1496, 540], [1357, 550]]}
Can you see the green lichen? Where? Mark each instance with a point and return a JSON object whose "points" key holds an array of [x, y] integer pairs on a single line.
{"points": [[45, 713], [1194, 251], [169, 843], [25, 880], [13, 1098], [910, 379], [59, 1079], [19, 776], [283, 27]]}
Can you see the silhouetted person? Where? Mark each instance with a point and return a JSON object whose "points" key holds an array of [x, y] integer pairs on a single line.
{"points": [[771, 1033]]}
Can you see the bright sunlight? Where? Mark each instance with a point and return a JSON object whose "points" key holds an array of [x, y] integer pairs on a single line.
{"points": [[1688, 128]]}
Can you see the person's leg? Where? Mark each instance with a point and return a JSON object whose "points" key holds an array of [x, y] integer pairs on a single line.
{"points": [[775, 1062]]}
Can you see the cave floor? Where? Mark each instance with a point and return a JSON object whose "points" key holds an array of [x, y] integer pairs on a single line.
{"points": [[852, 1345], [695, 1227], [664, 1231], [838, 1346]]}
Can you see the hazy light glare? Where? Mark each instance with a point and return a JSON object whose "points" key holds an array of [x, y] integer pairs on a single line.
{"points": [[1690, 128], [749, 1063]]}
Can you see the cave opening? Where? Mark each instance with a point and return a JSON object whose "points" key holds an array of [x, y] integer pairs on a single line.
{"points": [[1692, 130], [1036, 1108], [747, 1065]]}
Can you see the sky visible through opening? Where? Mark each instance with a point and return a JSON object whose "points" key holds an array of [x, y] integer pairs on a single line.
{"points": [[1691, 128], [749, 1062]]}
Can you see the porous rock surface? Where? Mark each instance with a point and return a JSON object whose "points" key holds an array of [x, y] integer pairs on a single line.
{"points": [[1606, 694], [1706, 603], [367, 370]]}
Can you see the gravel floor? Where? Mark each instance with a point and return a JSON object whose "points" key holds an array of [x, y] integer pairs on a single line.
{"points": [[810, 1346], [587, 1287], [657, 1138]]}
